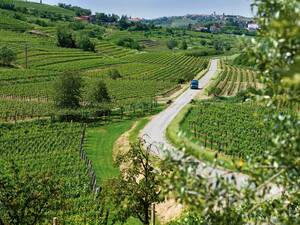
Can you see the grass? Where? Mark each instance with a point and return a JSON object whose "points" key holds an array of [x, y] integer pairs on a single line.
{"points": [[99, 145], [134, 133]]}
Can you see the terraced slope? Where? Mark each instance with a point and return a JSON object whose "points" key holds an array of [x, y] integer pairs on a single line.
{"points": [[232, 79]]}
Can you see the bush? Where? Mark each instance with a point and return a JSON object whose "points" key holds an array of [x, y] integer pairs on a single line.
{"points": [[77, 25], [215, 91], [203, 42], [184, 46], [96, 32], [114, 74], [201, 53], [65, 38], [72, 116], [103, 112], [68, 39], [83, 42], [41, 23], [129, 43], [7, 56], [171, 44]]}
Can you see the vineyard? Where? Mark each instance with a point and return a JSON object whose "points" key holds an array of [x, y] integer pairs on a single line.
{"points": [[45, 147], [41, 137], [231, 80], [237, 129], [157, 74]]}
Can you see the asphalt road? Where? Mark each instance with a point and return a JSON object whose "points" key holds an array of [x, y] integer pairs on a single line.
{"points": [[155, 130], [154, 135]]}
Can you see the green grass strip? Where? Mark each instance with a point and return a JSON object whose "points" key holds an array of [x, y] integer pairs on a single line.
{"points": [[99, 146]]}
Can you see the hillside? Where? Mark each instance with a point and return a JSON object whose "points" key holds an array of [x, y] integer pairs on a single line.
{"points": [[230, 24], [99, 122]]}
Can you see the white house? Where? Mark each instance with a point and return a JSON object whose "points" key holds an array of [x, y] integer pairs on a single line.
{"points": [[253, 27]]}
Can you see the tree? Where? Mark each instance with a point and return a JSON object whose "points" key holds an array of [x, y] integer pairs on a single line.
{"points": [[203, 42], [26, 198], [216, 199], [171, 44], [7, 56], [99, 93], [68, 90], [114, 74], [124, 24], [134, 191], [218, 45], [83, 42], [65, 38], [129, 43], [184, 46]]}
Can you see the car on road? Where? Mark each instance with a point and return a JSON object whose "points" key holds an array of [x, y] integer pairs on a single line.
{"points": [[195, 84]]}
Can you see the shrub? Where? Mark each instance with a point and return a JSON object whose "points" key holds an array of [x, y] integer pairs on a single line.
{"points": [[171, 44], [42, 23], [201, 53], [215, 91], [65, 38], [184, 46], [83, 42], [77, 25], [129, 43], [114, 74]]}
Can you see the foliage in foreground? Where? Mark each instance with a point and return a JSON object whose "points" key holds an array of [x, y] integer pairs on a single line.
{"points": [[133, 192], [270, 194], [26, 198]]}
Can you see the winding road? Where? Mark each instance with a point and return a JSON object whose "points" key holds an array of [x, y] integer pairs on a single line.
{"points": [[155, 139], [157, 127]]}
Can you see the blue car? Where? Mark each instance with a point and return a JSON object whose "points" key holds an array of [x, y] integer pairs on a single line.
{"points": [[195, 84]]}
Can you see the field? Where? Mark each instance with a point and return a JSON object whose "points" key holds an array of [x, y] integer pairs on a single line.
{"points": [[75, 145], [236, 129]]}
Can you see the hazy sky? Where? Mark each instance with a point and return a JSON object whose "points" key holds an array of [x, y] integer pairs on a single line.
{"points": [[159, 8]]}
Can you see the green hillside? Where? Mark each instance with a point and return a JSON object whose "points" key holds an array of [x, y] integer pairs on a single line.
{"points": [[71, 89], [41, 8]]}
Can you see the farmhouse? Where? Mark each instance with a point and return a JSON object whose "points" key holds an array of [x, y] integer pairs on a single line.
{"points": [[252, 27]]}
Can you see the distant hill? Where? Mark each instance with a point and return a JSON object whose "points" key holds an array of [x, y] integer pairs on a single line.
{"points": [[43, 7], [37, 9], [210, 23]]}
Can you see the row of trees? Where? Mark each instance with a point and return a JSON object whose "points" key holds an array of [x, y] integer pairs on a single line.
{"points": [[68, 91], [171, 44], [69, 39], [78, 10], [129, 43]]}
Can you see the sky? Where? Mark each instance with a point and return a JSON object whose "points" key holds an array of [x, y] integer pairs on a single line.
{"points": [[158, 8]]}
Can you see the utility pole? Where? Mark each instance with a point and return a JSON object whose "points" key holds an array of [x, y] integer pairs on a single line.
{"points": [[26, 56]]}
